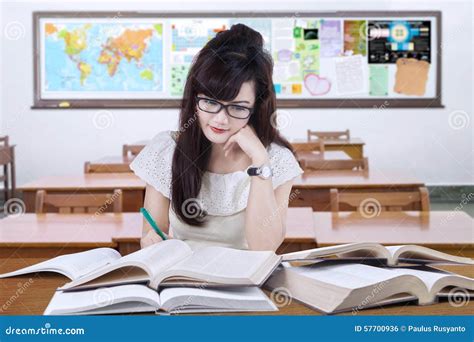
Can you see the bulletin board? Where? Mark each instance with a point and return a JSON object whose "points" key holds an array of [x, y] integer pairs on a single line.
{"points": [[321, 60]]}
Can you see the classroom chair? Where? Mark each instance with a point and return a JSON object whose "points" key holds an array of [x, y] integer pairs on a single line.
{"points": [[7, 160], [311, 164], [385, 201], [78, 203], [336, 135], [131, 150], [109, 168]]}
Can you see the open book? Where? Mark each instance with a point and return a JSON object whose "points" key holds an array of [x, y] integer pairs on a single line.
{"points": [[140, 298], [366, 250], [168, 263], [333, 285], [73, 265]]}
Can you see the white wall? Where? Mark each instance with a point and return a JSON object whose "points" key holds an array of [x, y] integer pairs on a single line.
{"points": [[421, 142]]}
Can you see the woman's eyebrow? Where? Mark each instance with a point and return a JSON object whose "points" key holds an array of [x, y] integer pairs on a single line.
{"points": [[240, 101]]}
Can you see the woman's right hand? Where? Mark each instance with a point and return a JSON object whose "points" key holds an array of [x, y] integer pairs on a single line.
{"points": [[151, 238]]}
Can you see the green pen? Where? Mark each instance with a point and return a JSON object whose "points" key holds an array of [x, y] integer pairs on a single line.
{"points": [[152, 223]]}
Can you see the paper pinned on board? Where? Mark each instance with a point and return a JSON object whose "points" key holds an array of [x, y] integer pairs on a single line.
{"points": [[351, 76], [411, 76], [378, 80]]}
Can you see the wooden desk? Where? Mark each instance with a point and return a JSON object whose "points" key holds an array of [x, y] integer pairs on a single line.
{"points": [[49, 235], [112, 164], [331, 155], [39, 288], [313, 187], [133, 188], [448, 231], [354, 147]]}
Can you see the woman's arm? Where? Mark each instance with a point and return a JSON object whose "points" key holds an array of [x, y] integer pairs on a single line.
{"points": [[265, 217], [158, 206]]}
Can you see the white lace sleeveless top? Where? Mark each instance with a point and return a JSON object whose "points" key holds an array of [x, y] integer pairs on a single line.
{"points": [[223, 196]]}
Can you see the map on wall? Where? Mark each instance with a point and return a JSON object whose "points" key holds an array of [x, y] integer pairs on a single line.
{"points": [[148, 58], [109, 57]]}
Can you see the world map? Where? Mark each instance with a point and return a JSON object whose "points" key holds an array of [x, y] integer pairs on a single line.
{"points": [[103, 57]]}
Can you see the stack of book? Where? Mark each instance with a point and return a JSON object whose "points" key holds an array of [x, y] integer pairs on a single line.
{"points": [[365, 275], [167, 277], [170, 278]]}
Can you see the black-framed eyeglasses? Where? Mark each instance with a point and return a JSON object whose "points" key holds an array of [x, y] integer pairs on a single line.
{"points": [[214, 107]]}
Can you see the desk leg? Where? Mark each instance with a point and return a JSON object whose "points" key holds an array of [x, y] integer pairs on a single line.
{"points": [[355, 152]]}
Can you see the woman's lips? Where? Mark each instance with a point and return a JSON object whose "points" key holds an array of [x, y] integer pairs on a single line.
{"points": [[218, 130]]}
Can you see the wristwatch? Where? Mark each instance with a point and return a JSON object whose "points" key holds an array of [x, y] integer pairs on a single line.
{"points": [[264, 171]]}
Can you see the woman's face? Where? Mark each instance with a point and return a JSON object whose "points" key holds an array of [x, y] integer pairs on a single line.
{"points": [[220, 126]]}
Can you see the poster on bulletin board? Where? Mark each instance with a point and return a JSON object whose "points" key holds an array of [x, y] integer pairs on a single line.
{"points": [[321, 60]]}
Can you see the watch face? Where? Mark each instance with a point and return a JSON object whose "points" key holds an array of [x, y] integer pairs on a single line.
{"points": [[266, 172]]}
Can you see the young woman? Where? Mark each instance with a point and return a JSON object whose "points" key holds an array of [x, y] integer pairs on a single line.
{"points": [[225, 178]]}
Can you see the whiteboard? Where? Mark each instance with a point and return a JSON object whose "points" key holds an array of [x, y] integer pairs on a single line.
{"points": [[340, 59]]}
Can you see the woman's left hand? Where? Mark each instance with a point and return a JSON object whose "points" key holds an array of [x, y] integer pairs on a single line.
{"points": [[247, 140]]}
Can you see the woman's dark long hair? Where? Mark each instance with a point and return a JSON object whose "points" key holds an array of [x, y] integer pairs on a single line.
{"points": [[228, 60]]}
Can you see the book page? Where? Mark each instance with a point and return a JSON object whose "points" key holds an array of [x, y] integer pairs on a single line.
{"points": [[351, 276], [346, 250], [250, 297], [72, 265], [139, 266], [222, 262], [424, 253], [82, 301], [158, 257], [431, 277]]}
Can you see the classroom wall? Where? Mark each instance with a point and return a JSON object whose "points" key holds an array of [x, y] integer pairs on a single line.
{"points": [[435, 145]]}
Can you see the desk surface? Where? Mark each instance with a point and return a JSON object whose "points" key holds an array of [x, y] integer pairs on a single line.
{"points": [[40, 287], [115, 160], [355, 179], [73, 230], [435, 229], [310, 180], [105, 230], [92, 181], [327, 155], [329, 142]]}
